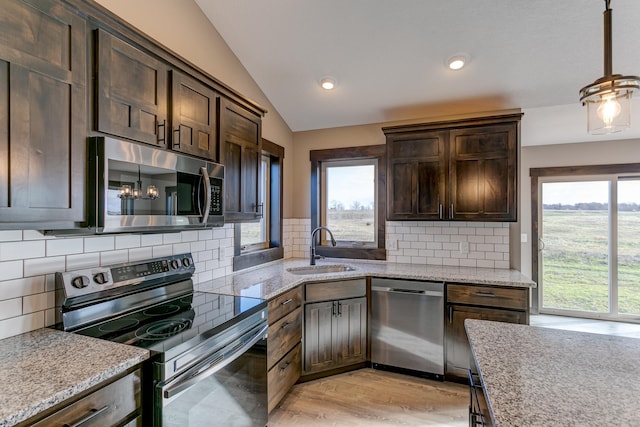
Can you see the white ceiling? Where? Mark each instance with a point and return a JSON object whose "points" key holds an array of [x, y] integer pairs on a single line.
{"points": [[388, 56]]}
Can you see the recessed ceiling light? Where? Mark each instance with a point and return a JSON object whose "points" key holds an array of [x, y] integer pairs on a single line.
{"points": [[328, 83], [458, 61]]}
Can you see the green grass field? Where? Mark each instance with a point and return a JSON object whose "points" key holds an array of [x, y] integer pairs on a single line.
{"points": [[575, 272]]}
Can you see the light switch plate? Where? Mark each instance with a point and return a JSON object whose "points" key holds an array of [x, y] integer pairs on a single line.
{"points": [[464, 247], [392, 244], [524, 238]]}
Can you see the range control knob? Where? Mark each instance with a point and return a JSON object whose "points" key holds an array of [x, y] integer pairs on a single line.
{"points": [[101, 278], [80, 282], [186, 262], [175, 264]]}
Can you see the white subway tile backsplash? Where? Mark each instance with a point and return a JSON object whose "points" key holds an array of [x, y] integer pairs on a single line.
{"points": [[41, 266], [21, 287], [127, 241], [97, 244], [10, 308], [10, 235], [28, 261], [56, 247], [21, 324], [20, 250]]}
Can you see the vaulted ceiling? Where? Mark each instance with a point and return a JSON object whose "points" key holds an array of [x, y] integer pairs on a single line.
{"points": [[388, 56]]}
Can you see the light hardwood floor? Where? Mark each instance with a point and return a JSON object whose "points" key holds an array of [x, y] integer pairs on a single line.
{"points": [[369, 397]]}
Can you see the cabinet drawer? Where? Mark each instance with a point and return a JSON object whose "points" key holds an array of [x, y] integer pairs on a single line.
{"points": [[284, 335], [284, 304], [284, 375], [341, 289], [107, 406], [503, 297]]}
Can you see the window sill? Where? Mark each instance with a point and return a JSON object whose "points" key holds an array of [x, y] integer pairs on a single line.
{"points": [[251, 259], [352, 252]]}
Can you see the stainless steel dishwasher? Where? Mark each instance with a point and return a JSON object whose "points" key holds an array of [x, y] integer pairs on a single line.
{"points": [[407, 326]]}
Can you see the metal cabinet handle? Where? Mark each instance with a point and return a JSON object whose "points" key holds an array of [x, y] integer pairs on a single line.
{"points": [[451, 211], [333, 309], [89, 416], [286, 365], [179, 139], [485, 295], [286, 325], [339, 308], [286, 302], [450, 314], [440, 210], [162, 139]]}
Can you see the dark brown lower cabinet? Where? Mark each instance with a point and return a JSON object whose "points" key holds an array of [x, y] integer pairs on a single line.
{"points": [[335, 334], [500, 304]]}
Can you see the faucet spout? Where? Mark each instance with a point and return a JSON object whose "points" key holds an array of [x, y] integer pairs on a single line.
{"points": [[313, 256]]}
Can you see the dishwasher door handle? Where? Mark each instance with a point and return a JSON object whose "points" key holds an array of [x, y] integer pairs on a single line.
{"points": [[407, 291]]}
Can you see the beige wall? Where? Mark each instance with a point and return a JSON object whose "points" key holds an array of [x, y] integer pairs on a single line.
{"points": [[183, 28], [587, 153]]}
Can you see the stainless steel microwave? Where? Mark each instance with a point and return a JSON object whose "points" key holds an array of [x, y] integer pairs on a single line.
{"points": [[138, 188]]}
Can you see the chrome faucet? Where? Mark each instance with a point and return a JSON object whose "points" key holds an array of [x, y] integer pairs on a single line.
{"points": [[313, 257]]}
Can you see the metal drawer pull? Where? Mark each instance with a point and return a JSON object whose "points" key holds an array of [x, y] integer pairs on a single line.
{"points": [[89, 416], [286, 302], [286, 325], [481, 294], [286, 365]]}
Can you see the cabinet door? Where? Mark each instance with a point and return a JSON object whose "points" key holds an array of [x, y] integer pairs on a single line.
{"points": [[132, 92], [241, 144], [319, 336], [42, 113], [193, 117], [457, 344], [417, 165], [483, 173], [351, 327]]}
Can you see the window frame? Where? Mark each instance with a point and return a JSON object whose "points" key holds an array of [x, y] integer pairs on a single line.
{"points": [[265, 201], [317, 158], [275, 250]]}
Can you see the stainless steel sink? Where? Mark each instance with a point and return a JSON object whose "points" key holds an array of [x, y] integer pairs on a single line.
{"points": [[320, 269]]}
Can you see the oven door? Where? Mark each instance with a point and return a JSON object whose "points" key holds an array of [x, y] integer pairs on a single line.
{"points": [[228, 389], [140, 188]]}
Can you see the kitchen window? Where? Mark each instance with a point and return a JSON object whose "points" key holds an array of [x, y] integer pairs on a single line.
{"points": [[348, 196], [261, 241], [587, 260]]}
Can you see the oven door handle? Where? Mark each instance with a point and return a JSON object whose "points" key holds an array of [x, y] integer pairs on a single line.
{"points": [[207, 194], [226, 360]]}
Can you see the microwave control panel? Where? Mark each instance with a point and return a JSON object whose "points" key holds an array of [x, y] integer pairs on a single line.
{"points": [[216, 197]]}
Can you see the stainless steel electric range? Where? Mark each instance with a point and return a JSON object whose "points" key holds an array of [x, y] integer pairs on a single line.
{"points": [[209, 351]]}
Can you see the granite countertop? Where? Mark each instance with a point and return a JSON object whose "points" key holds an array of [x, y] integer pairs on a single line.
{"points": [[534, 376], [42, 368], [273, 279]]}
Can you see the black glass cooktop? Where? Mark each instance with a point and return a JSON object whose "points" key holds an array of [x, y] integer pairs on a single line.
{"points": [[161, 327]]}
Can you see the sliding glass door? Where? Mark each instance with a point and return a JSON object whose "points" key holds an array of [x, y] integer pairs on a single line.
{"points": [[589, 247]]}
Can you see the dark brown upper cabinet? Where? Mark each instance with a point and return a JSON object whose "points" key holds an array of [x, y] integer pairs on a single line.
{"points": [[136, 101], [241, 145], [193, 117], [131, 92], [482, 173], [455, 170], [43, 71], [417, 166]]}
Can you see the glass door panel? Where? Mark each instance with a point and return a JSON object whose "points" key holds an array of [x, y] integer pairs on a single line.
{"points": [[629, 246], [575, 246]]}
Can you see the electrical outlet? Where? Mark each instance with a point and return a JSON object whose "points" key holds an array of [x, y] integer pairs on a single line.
{"points": [[220, 254], [524, 238], [464, 247], [392, 245]]}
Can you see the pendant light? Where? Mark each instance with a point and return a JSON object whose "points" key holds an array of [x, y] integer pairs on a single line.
{"points": [[608, 99]]}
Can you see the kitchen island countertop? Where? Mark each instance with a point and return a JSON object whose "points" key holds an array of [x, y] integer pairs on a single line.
{"points": [[273, 279], [534, 376], [45, 367]]}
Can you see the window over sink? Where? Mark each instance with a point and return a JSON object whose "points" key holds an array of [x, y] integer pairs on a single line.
{"points": [[348, 195]]}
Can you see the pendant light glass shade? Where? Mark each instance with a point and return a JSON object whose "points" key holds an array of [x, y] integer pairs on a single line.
{"points": [[608, 99]]}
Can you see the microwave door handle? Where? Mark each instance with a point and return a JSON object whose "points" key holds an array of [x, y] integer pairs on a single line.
{"points": [[207, 194]]}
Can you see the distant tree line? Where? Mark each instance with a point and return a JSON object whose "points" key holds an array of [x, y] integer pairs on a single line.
{"points": [[336, 205], [592, 206]]}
